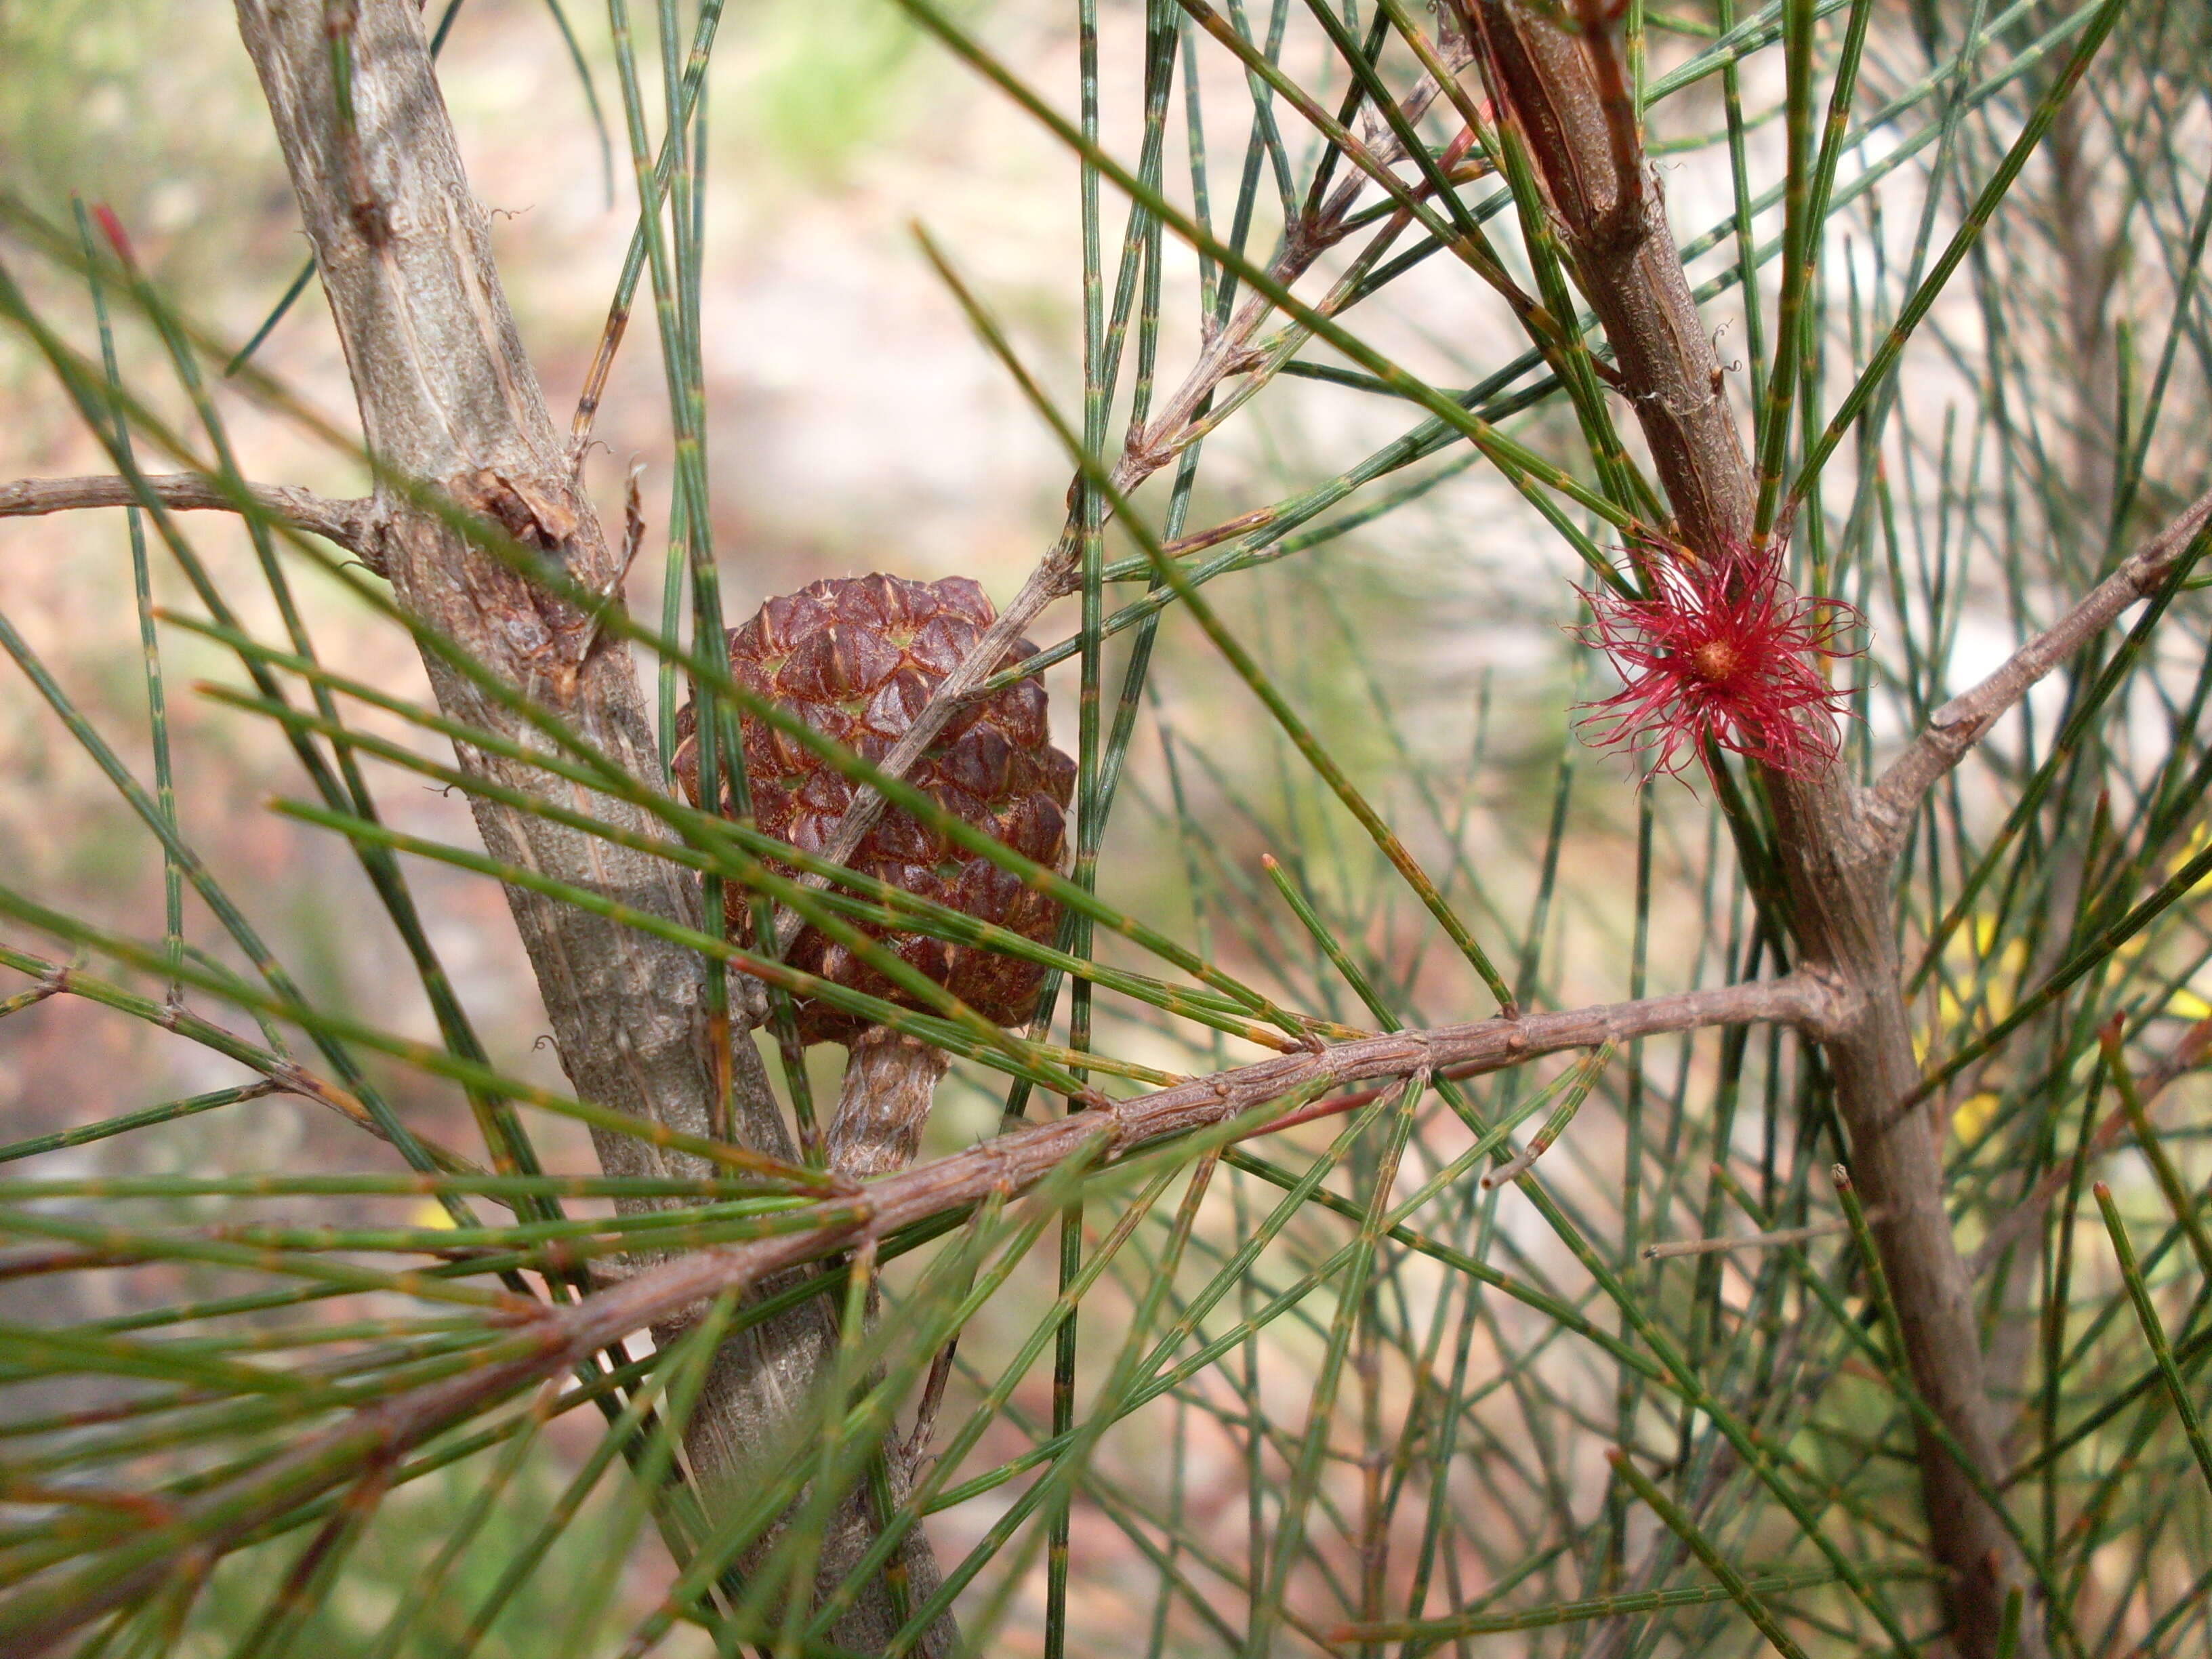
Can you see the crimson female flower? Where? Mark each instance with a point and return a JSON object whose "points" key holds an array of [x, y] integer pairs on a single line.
{"points": [[1717, 647]]}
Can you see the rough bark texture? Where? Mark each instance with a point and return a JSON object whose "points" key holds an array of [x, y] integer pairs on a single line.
{"points": [[1835, 863], [1613, 223], [1840, 901], [890, 1082], [447, 398]]}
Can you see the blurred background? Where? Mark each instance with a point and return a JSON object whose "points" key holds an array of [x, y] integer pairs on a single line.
{"points": [[855, 424]]}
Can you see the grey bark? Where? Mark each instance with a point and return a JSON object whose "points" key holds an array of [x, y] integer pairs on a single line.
{"points": [[449, 397], [350, 524]]}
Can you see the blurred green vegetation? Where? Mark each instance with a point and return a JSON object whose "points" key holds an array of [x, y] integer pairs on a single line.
{"points": [[152, 108]]}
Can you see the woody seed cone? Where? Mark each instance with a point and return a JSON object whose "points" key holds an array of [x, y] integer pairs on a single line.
{"points": [[856, 658]]}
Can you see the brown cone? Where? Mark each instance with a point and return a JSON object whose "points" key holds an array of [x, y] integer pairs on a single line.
{"points": [[856, 658]]}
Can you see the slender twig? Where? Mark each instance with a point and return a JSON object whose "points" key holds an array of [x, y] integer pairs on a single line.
{"points": [[1687, 1530], [1546, 1138], [1770, 1240], [353, 525], [2154, 1333], [1831, 886], [284, 1074], [166, 1113], [2170, 1183], [1186, 416], [1960, 723]]}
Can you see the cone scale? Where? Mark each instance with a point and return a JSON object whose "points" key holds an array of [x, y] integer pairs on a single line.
{"points": [[858, 659]]}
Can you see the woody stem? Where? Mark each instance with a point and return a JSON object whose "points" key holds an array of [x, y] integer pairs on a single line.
{"points": [[1834, 864], [890, 1082]]}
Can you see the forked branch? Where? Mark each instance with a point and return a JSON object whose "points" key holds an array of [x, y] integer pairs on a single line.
{"points": [[283, 1075], [449, 401], [1185, 417], [2026, 1211], [1554, 87]]}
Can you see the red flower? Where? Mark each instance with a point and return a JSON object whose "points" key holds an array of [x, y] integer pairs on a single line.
{"points": [[1719, 647]]}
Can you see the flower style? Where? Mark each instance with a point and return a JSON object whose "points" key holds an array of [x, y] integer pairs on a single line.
{"points": [[1720, 647]]}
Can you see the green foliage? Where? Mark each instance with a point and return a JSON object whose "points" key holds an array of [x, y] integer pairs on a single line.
{"points": [[827, 82], [1301, 1379]]}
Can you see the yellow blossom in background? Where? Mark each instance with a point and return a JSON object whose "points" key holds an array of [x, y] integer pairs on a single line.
{"points": [[1974, 1113]]}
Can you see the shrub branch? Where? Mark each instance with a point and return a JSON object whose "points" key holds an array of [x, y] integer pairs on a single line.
{"points": [[1834, 844], [352, 524], [664, 1298], [448, 399], [1959, 724]]}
